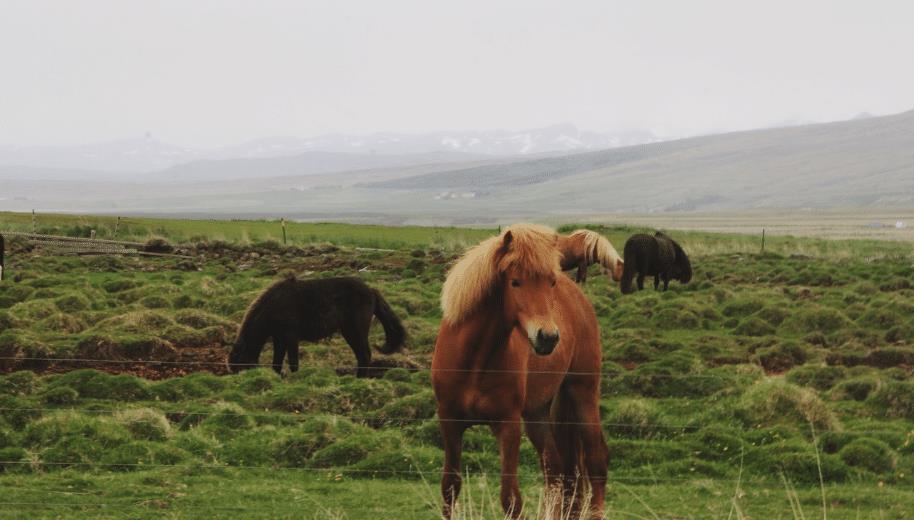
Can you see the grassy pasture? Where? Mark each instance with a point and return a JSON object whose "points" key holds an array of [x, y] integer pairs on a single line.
{"points": [[725, 396], [244, 231]]}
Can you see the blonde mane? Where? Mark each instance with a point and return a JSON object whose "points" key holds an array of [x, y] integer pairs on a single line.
{"points": [[597, 249], [532, 250]]}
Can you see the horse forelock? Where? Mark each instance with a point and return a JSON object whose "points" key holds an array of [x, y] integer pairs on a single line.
{"points": [[531, 252]]}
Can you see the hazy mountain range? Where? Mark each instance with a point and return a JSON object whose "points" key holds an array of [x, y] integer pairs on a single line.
{"points": [[866, 161], [147, 154]]}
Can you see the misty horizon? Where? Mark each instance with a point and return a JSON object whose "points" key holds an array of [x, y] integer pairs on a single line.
{"points": [[152, 136], [206, 75]]}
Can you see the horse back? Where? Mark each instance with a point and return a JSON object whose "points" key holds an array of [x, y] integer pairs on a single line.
{"points": [[319, 308]]}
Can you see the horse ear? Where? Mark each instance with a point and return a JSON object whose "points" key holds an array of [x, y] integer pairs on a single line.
{"points": [[506, 241]]}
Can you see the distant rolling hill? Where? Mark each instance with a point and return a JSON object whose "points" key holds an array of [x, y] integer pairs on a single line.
{"points": [[307, 163], [865, 162], [851, 163]]}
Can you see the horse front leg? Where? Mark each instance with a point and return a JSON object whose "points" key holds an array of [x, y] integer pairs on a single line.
{"points": [[451, 481], [581, 277], [279, 353], [508, 434]]}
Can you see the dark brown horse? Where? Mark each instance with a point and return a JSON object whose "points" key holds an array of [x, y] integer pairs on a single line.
{"points": [[583, 248], [519, 346], [294, 310], [658, 256]]}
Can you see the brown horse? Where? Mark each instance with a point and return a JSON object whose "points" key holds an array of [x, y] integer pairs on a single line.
{"points": [[583, 248], [519, 345]]}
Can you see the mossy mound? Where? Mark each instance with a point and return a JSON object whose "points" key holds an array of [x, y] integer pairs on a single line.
{"points": [[635, 419], [295, 448], [62, 323], [781, 356], [73, 302], [817, 376], [92, 384], [126, 347], [895, 399], [227, 419], [753, 326], [776, 402], [145, 424], [868, 454], [22, 382], [191, 386], [816, 318], [137, 455], [33, 310], [69, 438]]}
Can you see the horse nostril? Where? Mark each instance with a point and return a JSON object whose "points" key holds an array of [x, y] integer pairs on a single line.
{"points": [[550, 338]]}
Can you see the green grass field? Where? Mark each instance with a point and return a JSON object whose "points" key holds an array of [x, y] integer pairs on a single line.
{"points": [[726, 397]]}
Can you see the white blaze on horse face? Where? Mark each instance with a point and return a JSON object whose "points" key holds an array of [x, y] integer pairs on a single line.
{"points": [[531, 305]]}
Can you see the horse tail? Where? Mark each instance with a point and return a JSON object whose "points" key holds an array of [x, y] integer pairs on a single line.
{"points": [[393, 328]]}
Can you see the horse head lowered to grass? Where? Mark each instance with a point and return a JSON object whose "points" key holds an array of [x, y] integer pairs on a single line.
{"points": [[519, 346], [583, 248]]}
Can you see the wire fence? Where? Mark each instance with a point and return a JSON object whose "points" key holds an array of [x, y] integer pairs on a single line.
{"points": [[337, 472], [389, 421], [353, 367]]}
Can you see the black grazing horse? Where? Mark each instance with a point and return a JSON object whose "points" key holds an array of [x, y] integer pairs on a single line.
{"points": [[658, 256], [293, 310]]}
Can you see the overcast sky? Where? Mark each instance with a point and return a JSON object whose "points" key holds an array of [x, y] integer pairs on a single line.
{"points": [[221, 72]]}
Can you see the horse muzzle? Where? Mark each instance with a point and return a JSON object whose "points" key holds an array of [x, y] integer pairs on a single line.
{"points": [[544, 342]]}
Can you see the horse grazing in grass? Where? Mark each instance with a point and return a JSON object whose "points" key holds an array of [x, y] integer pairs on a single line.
{"points": [[293, 310], [519, 345], [658, 256], [583, 248]]}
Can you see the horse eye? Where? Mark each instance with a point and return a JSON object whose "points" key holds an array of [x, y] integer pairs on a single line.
{"points": [[515, 283], [553, 282]]}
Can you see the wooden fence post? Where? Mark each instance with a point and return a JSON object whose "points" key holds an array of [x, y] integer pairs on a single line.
{"points": [[763, 240], [283, 220], [117, 224], [34, 223], [2, 247]]}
